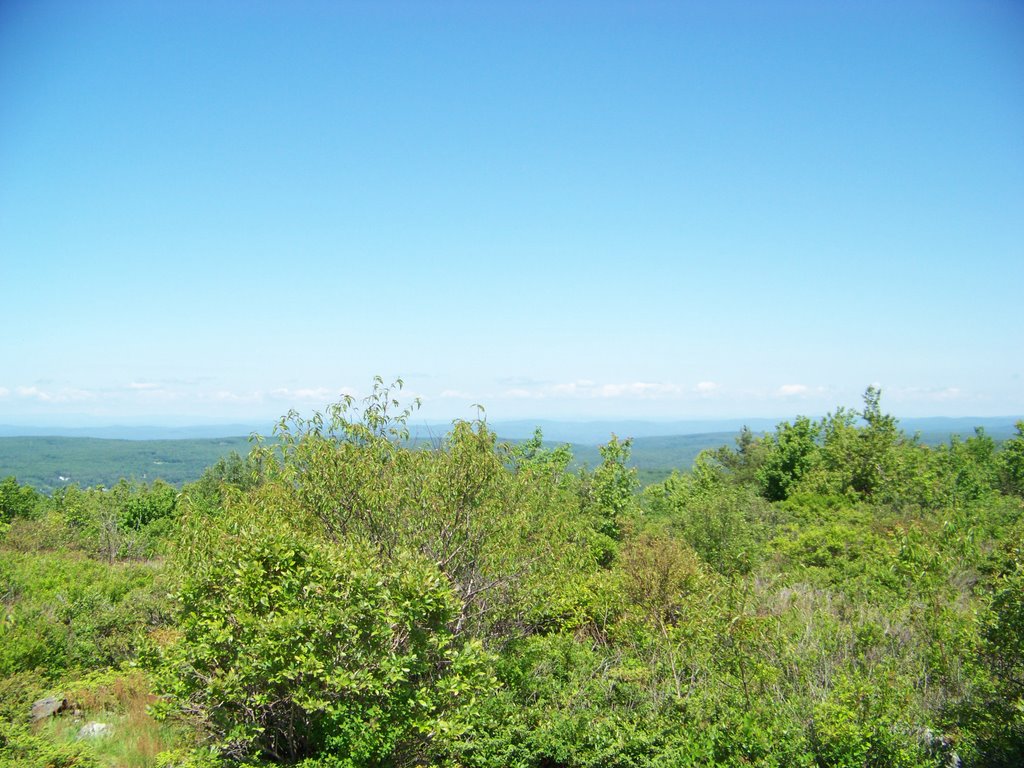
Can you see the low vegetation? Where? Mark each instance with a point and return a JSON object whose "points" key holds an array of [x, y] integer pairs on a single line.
{"points": [[832, 594]]}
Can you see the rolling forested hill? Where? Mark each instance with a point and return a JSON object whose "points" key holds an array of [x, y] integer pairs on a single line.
{"points": [[51, 462], [48, 463]]}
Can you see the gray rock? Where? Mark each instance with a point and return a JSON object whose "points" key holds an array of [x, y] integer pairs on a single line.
{"points": [[94, 731], [940, 745], [45, 708]]}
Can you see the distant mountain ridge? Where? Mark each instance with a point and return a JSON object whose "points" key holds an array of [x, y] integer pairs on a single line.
{"points": [[130, 432], [101, 456], [932, 429]]}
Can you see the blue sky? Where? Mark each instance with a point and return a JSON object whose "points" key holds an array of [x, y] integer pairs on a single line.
{"points": [[220, 210]]}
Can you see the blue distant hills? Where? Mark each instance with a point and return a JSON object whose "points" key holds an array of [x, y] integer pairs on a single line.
{"points": [[932, 429], [49, 458]]}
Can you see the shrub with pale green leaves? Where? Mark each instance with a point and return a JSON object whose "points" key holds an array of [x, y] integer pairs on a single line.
{"points": [[293, 648]]}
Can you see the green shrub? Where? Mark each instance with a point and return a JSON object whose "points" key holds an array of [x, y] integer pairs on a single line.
{"points": [[21, 748], [863, 723], [17, 500], [67, 613], [291, 648]]}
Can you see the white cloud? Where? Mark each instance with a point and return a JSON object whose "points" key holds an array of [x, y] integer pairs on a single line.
{"points": [[639, 389], [153, 392], [520, 381], [519, 393], [456, 394], [4, 391], [308, 394], [590, 390], [570, 388], [706, 387], [315, 393], [925, 394], [583, 387], [791, 390], [616, 390], [64, 395], [227, 396]]}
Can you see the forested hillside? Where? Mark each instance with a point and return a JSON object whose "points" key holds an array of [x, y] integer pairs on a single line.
{"points": [[51, 463], [834, 593]]}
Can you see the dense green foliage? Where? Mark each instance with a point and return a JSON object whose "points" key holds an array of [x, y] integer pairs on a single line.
{"points": [[833, 594]]}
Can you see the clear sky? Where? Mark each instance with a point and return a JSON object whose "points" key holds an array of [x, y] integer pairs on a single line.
{"points": [[662, 210]]}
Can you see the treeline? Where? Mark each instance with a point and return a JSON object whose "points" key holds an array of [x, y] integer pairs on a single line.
{"points": [[831, 594]]}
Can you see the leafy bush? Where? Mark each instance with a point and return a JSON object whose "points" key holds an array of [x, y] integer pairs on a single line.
{"points": [[792, 453], [861, 723], [17, 500], [722, 522], [1011, 463], [291, 648]]}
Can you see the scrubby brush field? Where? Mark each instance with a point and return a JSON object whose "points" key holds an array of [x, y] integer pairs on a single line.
{"points": [[834, 593]]}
